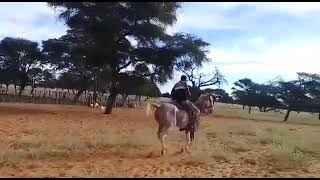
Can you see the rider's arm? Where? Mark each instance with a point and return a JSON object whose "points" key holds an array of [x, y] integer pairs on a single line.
{"points": [[188, 91]]}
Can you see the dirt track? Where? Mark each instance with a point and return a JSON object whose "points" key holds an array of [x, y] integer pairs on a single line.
{"points": [[16, 120]]}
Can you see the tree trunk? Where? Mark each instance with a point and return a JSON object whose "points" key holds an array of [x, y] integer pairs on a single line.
{"points": [[7, 88], [140, 100], [124, 96], [260, 109], [110, 102], [22, 86], [267, 110], [32, 91], [94, 96], [242, 106], [287, 115], [249, 109], [319, 116], [15, 89], [78, 95], [264, 109], [111, 99], [89, 100]]}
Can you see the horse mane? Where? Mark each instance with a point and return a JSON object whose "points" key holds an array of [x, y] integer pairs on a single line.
{"points": [[204, 97]]}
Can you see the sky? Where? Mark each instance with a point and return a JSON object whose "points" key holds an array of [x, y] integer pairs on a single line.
{"points": [[257, 40]]}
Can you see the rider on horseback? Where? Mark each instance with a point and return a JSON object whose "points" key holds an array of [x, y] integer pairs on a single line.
{"points": [[181, 95]]}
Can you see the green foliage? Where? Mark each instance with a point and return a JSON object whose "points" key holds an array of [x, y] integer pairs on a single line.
{"points": [[123, 39], [20, 59], [297, 95]]}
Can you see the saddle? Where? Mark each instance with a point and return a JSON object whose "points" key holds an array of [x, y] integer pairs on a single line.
{"points": [[180, 107]]}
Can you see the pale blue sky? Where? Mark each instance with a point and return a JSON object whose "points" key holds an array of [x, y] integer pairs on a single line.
{"points": [[259, 40]]}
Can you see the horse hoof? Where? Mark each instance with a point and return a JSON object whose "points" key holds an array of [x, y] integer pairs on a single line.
{"points": [[163, 152], [182, 150]]}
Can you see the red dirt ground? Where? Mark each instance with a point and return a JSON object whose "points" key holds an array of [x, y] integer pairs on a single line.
{"points": [[15, 118]]}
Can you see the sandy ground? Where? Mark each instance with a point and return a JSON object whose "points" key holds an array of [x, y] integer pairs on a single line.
{"points": [[118, 161]]}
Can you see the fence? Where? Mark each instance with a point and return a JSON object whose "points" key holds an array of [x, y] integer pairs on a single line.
{"points": [[60, 96]]}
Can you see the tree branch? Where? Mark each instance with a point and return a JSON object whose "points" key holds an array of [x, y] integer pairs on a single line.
{"points": [[124, 66], [209, 84], [149, 74]]}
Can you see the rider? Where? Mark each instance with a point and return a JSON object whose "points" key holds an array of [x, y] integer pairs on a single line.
{"points": [[181, 94]]}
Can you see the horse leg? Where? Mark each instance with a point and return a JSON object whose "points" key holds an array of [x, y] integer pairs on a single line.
{"points": [[192, 135], [188, 141], [162, 135]]}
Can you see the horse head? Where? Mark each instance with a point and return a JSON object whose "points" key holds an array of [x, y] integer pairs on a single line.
{"points": [[206, 102]]}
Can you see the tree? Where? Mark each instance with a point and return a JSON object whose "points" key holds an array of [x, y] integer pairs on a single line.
{"points": [[266, 97], [293, 95], [149, 89], [251, 94], [131, 85], [245, 92], [100, 35], [21, 56], [311, 83], [302, 94], [199, 80], [62, 56], [7, 76]]}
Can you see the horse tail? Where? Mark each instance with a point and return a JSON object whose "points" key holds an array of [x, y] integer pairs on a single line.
{"points": [[149, 108]]}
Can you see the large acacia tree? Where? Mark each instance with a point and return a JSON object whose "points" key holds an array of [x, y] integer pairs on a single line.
{"points": [[119, 36], [19, 59], [244, 91]]}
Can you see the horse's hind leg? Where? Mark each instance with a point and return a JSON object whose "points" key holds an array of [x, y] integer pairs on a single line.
{"points": [[162, 133], [188, 141]]}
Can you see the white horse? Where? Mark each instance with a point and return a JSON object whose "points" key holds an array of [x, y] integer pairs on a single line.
{"points": [[169, 116]]}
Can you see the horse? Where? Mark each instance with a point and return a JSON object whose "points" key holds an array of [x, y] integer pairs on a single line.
{"points": [[168, 116], [205, 103]]}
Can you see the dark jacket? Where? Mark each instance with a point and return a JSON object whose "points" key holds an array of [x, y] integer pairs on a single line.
{"points": [[180, 91]]}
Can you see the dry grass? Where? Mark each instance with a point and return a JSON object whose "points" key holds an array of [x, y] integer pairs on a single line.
{"points": [[208, 152], [45, 147], [286, 158], [201, 152], [142, 138], [92, 171], [286, 148], [236, 111], [52, 146]]}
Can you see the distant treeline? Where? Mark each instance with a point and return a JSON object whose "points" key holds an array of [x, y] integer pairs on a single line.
{"points": [[302, 94]]}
